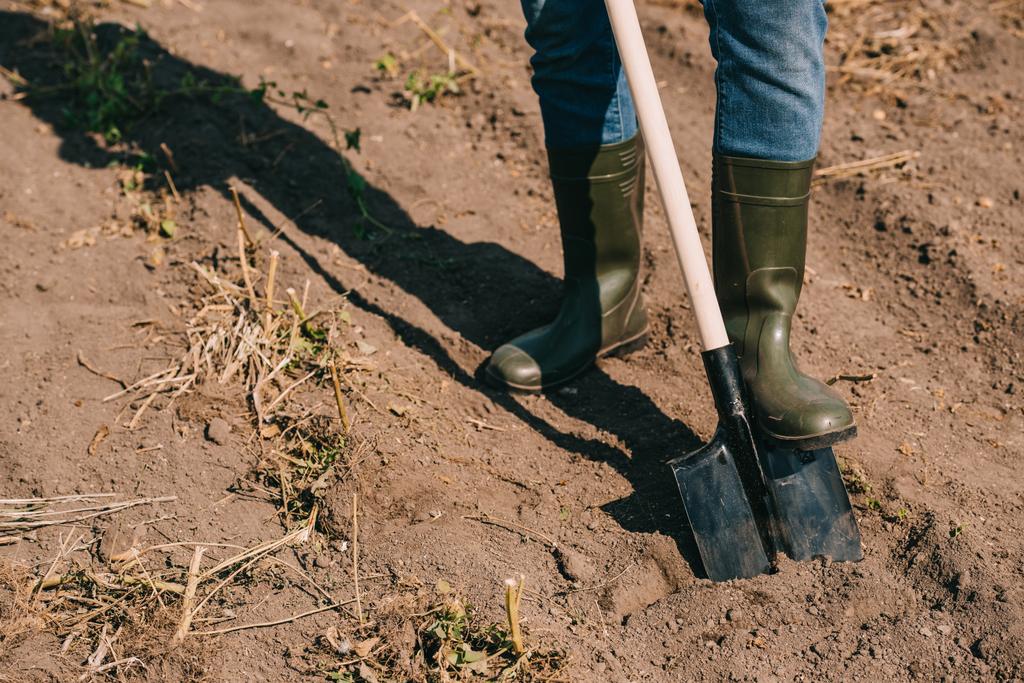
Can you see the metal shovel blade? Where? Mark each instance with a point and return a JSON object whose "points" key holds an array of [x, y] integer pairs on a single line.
{"points": [[813, 516], [721, 518], [725, 498]]}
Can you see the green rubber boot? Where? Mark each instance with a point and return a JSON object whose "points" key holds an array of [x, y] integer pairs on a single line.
{"points": [[759, 244], [599, 196]]}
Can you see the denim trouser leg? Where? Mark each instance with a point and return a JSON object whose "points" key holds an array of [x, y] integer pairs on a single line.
{"points": [[770, 76], [584, 98]]}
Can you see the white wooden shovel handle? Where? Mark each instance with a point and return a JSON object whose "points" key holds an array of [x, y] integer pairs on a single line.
{"points": [[667, 174]]}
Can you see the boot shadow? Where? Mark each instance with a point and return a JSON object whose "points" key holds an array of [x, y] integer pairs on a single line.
{"points": [[290, 169]]}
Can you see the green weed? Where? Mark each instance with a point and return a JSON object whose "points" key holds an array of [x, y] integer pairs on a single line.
{"points": [[110, 89], [453, 644], [420, 89], [387, 65]]}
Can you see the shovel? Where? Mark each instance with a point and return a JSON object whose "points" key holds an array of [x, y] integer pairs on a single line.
{"points": [[745, 499]]}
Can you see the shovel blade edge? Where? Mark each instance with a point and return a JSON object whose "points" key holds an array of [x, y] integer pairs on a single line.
{"points": [[813, 515], [719, 513]]}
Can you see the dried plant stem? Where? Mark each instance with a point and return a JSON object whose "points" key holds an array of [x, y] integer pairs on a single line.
{"points": [[853, 168], [355, 555], [271, 274], [289, 389], [190, 595], [174, 188], [15, 78], [55, 499], [266, 624], [342, 413], [437, 40], [18, 526], [244, 260], [142, 382], [241, 217], [488, 519], [513, 595], [134, 422], [84, 362]]}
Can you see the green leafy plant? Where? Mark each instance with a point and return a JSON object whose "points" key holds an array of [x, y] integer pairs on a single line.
{"points": [[387, 65], [420, 89], [103, 90], [109, 89]]}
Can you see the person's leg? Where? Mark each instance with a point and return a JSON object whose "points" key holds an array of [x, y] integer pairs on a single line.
{"points": [[584, 98], [771, 86], [770, 77], [597, 170]]}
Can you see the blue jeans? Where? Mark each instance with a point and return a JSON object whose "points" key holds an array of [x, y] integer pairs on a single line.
{"points": [[770, 77]]}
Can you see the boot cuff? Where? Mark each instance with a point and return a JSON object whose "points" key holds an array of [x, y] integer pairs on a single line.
{"points": [[598, 163], [761, 181]]}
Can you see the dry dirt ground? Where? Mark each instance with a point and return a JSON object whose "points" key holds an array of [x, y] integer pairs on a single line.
{"points": [[914, 296]]}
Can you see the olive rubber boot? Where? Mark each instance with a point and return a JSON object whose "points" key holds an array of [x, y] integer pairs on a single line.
{"points": [[759, 243], [599, 196]]}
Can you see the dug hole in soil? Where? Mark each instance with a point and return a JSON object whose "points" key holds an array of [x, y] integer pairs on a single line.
{"points": [[912, 304]]}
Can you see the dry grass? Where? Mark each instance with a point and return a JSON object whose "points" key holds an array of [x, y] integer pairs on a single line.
{"points": [[884, 44], [134, 607], [429, 636], [125, 610]]}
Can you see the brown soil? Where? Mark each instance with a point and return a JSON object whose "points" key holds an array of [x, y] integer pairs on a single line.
{"points": [[915, 279]]}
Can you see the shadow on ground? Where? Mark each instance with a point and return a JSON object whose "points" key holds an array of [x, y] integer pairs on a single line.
{"points": [[457, 281]]}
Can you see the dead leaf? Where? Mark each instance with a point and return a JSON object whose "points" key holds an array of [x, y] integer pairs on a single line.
{"points": [[368, 674], [102, 433], [340, 645], [364, 647]]}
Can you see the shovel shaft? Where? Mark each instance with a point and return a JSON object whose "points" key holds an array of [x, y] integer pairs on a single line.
{"points": [[667, 174]]}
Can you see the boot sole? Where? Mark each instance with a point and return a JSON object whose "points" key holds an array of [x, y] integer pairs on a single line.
{"points": [[814, 442], [619, 349]]}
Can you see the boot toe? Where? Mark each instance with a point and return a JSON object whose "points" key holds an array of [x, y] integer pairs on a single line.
{"points": [[823, 422], [511, 367]]}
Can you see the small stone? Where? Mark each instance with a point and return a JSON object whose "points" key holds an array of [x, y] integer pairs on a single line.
{"points": [[365, 349], [117, 542], [218, 431], [733, 614], [926, 632], [323, 561], [945, 629]]}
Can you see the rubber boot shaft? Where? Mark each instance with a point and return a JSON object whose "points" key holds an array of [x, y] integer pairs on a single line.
{"points": [[760, 211], [599, 196]]}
